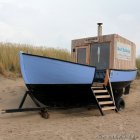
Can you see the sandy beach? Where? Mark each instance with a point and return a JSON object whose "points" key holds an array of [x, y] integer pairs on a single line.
{"points": [[70, 124]]}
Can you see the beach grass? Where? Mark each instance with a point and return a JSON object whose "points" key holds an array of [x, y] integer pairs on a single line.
{"points": [[9, 55], [138, 66]]}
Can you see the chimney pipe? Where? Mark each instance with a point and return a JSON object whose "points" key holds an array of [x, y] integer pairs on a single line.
{"points": [[99, 29]]}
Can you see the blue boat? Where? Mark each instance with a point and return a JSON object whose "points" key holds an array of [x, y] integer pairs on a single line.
{"points": [[54, 81]]}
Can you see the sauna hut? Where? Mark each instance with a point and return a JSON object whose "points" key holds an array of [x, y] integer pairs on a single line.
{"points": [[112, 53]]}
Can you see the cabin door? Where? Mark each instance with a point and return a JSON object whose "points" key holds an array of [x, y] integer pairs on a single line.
{"points": [[99, 55], [81, 55]]}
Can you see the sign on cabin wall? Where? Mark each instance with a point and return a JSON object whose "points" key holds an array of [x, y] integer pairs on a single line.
{"points": [[123, 51]]}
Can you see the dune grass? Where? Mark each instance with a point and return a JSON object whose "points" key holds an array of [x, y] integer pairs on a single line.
{"points": [[138, 66], [9, 60]]}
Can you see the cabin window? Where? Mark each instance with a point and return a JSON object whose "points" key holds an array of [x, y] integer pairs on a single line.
{"points": [[99, 55]]}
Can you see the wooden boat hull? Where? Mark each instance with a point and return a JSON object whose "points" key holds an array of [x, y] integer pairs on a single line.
{"points": [[122, 78], [63, 95], [119, 78], [57, 82], [54, 81]]}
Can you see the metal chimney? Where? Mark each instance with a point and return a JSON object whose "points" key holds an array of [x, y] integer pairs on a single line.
{"points": [[99, 29]]}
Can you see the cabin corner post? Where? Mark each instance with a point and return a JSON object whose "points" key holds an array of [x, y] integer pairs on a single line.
{"points": [[88, 54], [112, 52]]}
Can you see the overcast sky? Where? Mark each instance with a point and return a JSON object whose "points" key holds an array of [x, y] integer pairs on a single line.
{"points": [[54, 23]]}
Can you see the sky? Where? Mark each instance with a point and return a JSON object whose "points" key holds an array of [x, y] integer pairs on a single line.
{"points": [[54, 23]]}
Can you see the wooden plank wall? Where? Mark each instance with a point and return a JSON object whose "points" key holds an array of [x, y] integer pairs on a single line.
{"points": [[87, 43], [113, 39], [124, 64]]}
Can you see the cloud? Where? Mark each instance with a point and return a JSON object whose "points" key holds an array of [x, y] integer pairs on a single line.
{"points": [[126, 17], [55, 23]]}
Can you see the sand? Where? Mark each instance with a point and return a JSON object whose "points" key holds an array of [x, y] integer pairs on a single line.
{"points": [[70, 124]]}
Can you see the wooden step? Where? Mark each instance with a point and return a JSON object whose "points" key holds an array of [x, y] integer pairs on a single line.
{"points": [[108, 108], [98, 84], [105, 102], [103, 96], [97, 87], [100, 91]]}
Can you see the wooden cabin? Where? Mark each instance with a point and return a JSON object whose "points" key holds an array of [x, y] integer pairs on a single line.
{"points": [[105, 51]]}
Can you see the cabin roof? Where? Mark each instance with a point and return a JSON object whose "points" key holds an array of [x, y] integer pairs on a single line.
{"points": [[104, 36]]}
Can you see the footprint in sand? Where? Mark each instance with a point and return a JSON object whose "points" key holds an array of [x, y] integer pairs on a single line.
{"points": [[13, 93], [1, 100]]}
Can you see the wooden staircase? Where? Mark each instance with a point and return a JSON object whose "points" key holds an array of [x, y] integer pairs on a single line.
{"points": [[104, 98]]}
